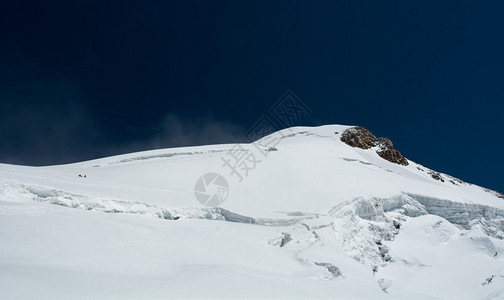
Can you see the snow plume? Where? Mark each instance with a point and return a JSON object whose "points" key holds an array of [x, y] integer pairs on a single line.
{"points": [[175, 131], [51, 123]]}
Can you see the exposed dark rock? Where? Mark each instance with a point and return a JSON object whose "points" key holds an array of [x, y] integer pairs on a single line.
{"points": [[499, 195], [436, 175], [362, 138], [456, 180], [388, 152], [359, 137]]}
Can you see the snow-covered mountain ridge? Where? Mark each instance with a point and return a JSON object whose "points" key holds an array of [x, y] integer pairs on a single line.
{"points": [[306, 216]]}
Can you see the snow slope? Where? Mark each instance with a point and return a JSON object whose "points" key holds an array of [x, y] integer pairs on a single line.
{"points": [[314, 217]]}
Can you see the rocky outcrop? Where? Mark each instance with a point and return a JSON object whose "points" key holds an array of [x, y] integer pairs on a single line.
{"points": [[362, 138], [359, 137], [436, 175], [497, 194]]}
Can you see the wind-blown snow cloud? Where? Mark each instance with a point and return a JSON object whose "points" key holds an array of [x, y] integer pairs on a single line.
{"points": [[48, 123], [175, 131]]}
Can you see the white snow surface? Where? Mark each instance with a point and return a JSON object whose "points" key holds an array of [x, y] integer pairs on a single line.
{"points": [[315, 218]]}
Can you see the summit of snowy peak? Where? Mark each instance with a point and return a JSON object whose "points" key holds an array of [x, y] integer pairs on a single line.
{"points": [[297, 134], [362, 138], [354, 136]]}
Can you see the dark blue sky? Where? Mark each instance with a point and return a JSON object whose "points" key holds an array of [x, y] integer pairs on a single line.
{"points": [[81, 80]]}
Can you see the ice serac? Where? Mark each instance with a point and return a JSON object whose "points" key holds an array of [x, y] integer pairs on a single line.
{"points": [[465, 215], [362, 138]]}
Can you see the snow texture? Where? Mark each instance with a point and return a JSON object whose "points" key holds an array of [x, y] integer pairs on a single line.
{"points": [[315, 218]]}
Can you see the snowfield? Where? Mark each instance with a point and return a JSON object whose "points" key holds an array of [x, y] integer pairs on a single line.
{"points": [[312, 218]]}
